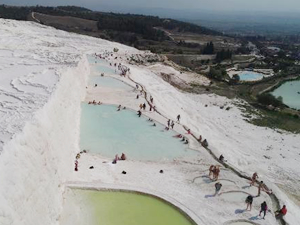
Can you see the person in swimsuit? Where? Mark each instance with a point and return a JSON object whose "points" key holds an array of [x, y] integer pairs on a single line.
{"points": [[249, 201], [253, 179], [218, 186]]}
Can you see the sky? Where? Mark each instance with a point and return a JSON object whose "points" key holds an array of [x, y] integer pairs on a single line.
{"points": [[193, 5]]}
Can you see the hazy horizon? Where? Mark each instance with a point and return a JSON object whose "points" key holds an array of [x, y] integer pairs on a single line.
{"points": [[235, 19], [217, 6]]}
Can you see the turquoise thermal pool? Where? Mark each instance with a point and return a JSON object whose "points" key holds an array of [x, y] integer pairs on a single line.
{"points": [[290, 93], [101, 66], [250, 76], [106, 131], [109, 82]]}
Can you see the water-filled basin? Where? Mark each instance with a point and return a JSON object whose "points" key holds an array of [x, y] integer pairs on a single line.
{"points": [[250, 76], [290, 93], [106, 131], [116, 208]]}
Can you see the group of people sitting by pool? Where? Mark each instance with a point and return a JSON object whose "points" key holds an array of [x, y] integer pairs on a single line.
{"points": [[184, 139], [77, 158], [123, 157], [95, 103], [119, 107]]}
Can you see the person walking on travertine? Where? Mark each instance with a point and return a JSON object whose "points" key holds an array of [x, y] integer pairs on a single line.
{"points": [[254, 178], [178, 118], [263, 208], [260, 187], [211, 170], [216, 172]]}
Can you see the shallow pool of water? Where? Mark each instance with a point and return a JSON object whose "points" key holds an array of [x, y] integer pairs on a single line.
{"points": [[290, 93], [101, 65], [119, 208], [250, 76], [234, 196], [109, 82], [107, 131]]}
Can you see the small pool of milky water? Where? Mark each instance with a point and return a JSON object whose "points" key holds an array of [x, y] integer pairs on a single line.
{"points": [[290, 93], [250, 76], [106, 131], [234, 196], [118, 208]]}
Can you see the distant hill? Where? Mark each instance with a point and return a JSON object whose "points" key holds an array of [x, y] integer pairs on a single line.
{"points": [[111, 19], [140, 31]]}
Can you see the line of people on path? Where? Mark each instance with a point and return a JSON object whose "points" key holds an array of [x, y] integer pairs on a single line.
{"points": [[279, 214], [95, 103]]}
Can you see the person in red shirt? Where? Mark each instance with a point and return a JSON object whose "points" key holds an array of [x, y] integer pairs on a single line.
{"points": [[280, 213]]}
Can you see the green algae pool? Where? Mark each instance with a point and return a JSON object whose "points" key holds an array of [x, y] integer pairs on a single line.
{"points": [[121, 208]]}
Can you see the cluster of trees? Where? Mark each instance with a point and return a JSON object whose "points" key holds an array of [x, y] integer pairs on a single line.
{"points": [[223, 55], [268, 99], [16, 13], [21, 13], [141, 25], [180, 26], [217, 73], [208, 49], [188, 45]]}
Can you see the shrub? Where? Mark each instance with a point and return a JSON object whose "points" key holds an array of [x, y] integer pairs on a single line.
{"points": [[268, 99]]}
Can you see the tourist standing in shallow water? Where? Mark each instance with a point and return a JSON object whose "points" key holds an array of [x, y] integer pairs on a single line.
{"points": [[139, 113]]}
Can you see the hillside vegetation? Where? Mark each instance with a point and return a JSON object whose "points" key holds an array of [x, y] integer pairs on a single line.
{"points": [[143, 32]]}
